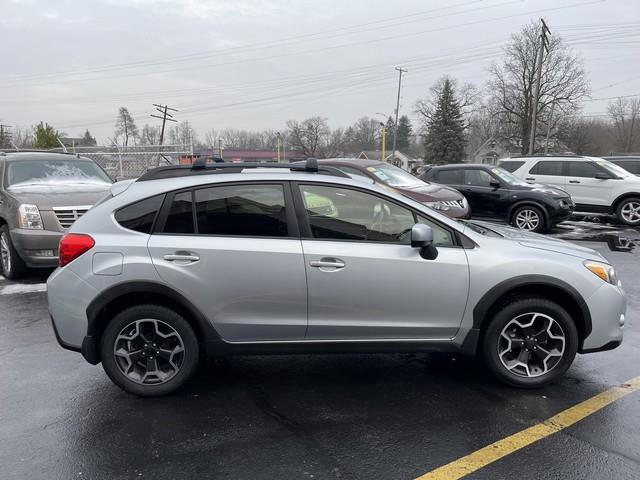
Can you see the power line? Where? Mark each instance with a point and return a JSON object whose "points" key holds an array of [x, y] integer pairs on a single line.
{"points": [[166, 116]]}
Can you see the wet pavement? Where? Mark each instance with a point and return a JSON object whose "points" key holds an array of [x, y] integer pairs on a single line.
{"points": [[309, 416]]}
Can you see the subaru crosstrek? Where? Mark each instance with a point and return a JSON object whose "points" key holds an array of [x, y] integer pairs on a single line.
{"points": [[224, 258]]}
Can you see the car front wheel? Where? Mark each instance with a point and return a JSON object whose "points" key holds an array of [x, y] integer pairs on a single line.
{"points": [[528, 218], [628, 211], [149, 350], [530, 342], [12, 265]]}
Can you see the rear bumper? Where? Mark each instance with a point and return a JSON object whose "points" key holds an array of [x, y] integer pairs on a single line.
{"points": [[38, 248]]}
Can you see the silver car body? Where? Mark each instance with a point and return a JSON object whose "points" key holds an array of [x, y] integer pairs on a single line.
{"points": [[259, 291]]}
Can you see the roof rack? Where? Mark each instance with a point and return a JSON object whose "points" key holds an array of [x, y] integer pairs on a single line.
{"points": [[200, 166]]}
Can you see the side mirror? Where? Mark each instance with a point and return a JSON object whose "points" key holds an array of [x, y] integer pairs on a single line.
{"points": [[603, 176], [422, 238], [494, 184]]}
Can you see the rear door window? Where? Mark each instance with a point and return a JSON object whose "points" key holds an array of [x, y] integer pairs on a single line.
{"points": [[140, 216], [548, 167], [180, 216], [511, 165], [452, 176]]}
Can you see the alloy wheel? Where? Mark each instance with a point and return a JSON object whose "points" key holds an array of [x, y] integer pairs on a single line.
{"points": [[527, 219], [5, 253], [149, 352], [531, 345], [631, 212]]}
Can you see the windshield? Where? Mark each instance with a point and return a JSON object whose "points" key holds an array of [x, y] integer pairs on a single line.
{"points": [[394, 176], [508, 177], [45, 173], [613, 168]]}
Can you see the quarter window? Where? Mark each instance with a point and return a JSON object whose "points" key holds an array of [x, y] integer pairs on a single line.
{"points": [[140, 216], [547, 168], [241, 210], [511, 165]]}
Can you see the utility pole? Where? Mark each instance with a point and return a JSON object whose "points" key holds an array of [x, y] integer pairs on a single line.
{"points": [[278, 139], [166, 116], [220, 148], [383, 140], [5, 134], [544, 45], [395, 126]]}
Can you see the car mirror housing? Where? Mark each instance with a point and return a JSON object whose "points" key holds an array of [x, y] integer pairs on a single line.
{"points": [[494, 184], [422, 238]]}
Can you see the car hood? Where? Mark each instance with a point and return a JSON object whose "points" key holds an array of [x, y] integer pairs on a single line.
{"points": [[543, 242], [430, 192], [48, 197]]}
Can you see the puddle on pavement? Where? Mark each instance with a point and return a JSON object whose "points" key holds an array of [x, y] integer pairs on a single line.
{"points": [[618, 238]]}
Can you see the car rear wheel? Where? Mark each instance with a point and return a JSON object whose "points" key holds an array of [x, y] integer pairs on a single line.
{"points": [[628, 211], [528, 218], [530, 342], [149, 350], [12, 265]]}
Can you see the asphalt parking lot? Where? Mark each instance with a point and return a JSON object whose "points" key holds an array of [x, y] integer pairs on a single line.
{"points": [[311, 416]]}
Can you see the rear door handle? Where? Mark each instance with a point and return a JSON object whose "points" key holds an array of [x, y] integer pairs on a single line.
{"points": [[574, 181], [182, 258], [328, 263]]}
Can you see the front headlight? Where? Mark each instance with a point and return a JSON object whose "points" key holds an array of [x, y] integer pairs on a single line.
{"points": [[29, 217], [437, 205], [603, 270]]}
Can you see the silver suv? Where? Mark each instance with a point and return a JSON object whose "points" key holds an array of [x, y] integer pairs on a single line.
{"points": [[225, 258]]}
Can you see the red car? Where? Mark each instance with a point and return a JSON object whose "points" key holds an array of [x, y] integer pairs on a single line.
{"points": [[439, 197]]}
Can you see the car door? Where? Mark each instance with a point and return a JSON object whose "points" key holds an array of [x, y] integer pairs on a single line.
{"points": [[483, 198], [548, 172], [234, 251], [584, 187], [365, 281]]}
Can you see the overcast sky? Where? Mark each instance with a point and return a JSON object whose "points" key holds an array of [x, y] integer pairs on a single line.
{"points": [[254, 64]]}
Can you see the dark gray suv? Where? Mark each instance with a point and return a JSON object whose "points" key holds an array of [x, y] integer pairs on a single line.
{"points": [[41, 195]]}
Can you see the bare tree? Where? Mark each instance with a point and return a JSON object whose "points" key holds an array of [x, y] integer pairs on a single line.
{"points": [[365, 133], [308, 135], [125, 127], [22, 137], [511, 87], [150, 134], [182, 134], [625, 114]]}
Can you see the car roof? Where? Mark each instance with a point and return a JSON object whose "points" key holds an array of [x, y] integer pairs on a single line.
{"points": [[622, 158], [18, 156], [552, 158], [463, 165]]}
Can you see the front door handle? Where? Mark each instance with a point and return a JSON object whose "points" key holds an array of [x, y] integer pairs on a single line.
{"points": [[182, 258], [328, 263], [530, 179], [574, 181]]}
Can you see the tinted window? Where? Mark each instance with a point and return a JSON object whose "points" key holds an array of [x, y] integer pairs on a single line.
{"points": [[478, 178], [354, 172], [511, 165], [547, 168], [583, 169], [139, 216], [343, 214], [180, 217], [242, 210], [451, 176], [632, 166]]}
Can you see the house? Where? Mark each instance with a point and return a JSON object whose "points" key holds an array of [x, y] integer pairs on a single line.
{"points": [[401, 160], [495, 148]]}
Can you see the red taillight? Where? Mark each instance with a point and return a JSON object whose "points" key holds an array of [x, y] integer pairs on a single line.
{"points": [[72, 246]]}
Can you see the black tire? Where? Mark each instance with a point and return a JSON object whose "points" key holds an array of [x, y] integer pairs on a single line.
{"points": [[541, 225], [628, 203], [516, 307], [17, 268], [189, 359]]}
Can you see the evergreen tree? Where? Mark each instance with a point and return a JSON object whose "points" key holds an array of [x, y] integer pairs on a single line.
{"points": [[88, 140], [445, 140], [390, 126], [45, 136], [403, 140]]}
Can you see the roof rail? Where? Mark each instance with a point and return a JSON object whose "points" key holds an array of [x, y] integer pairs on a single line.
{"points": [[545, 155], [200, 166]]}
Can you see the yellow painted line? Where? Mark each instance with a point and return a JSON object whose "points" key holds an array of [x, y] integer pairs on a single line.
{"points": [[508, 445]]}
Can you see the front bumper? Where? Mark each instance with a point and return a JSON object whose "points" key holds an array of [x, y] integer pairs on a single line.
{"points": [[38, 248], [608, 307], [562, 211]]}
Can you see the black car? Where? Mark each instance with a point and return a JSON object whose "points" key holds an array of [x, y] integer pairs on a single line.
{"points": [[495, 193], [630, 164]]}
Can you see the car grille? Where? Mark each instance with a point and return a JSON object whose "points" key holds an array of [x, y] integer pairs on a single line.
{"points": [[453, 203], [67, 215]]}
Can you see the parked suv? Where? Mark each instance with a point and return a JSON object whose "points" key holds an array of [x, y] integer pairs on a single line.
{"points": [[596, 185], [495, 193], [439, 197], [222, 259], [629, 163], [41, 195]]}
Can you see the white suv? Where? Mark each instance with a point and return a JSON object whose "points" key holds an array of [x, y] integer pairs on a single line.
{"points": [[596, 185]]}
